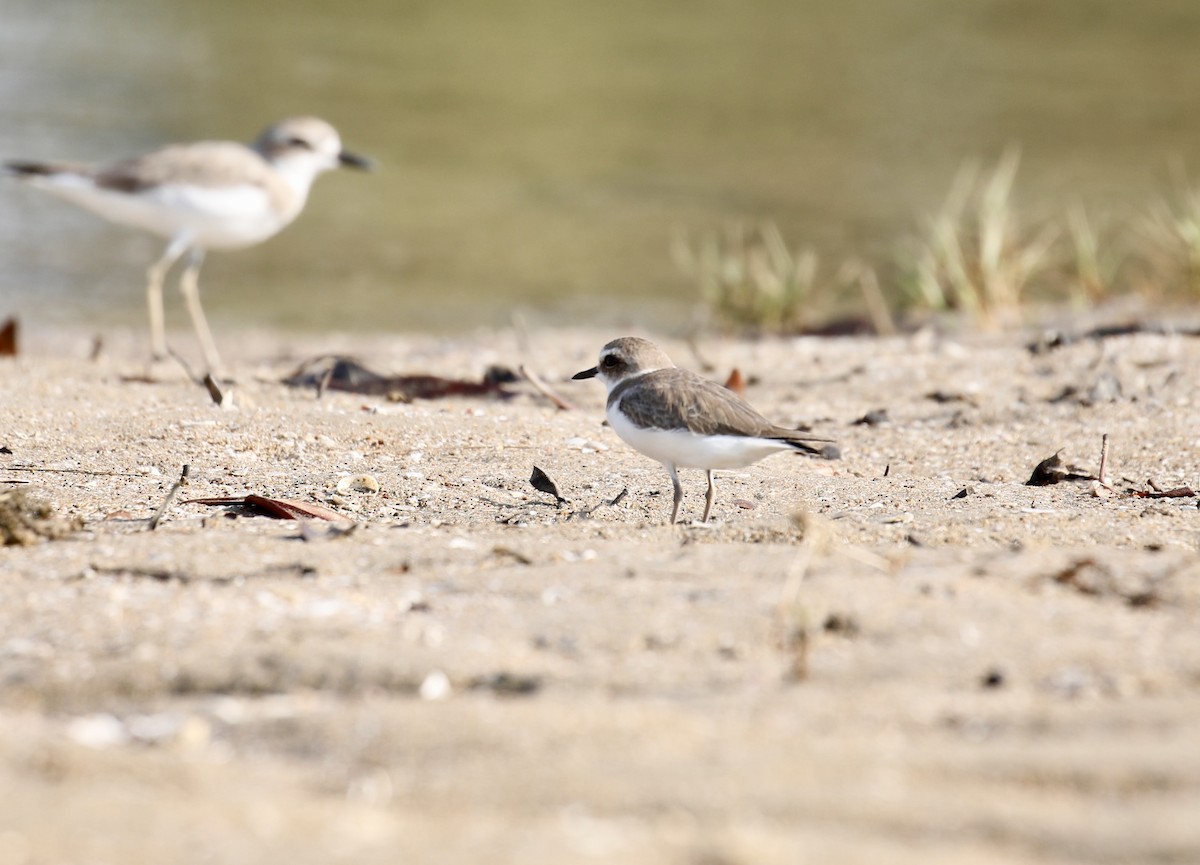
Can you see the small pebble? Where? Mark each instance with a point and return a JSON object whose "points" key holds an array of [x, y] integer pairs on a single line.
{"points": [[97, 731], [993, 678], [436, 686]]}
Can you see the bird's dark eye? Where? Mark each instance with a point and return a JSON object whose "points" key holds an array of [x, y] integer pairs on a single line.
{"points": [[609, 361], [299, 143]]}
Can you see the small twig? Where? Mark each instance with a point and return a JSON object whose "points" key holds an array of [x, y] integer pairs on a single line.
{"points": [[178, 358], [73, 472], [162, 509], [1103, 462], [540, 386], [587, 512], [163, 575], [324, 382]]}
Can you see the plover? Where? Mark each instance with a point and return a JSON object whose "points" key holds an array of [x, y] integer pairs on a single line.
{"points": [[684, 420], [201, 196]]}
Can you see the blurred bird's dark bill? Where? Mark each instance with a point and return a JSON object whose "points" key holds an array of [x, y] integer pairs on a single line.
{"points": [[353, 160]]}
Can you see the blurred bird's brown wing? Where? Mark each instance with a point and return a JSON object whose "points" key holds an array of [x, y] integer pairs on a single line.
{"points": [[204, 163]]}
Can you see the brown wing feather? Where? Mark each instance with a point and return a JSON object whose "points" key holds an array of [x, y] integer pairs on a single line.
{"points": [[665, 397], [205, 163]]}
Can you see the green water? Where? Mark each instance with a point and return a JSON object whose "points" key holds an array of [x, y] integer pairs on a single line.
{"points": [[539, 155]]}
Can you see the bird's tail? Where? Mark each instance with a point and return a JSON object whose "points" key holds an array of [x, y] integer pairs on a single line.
{"points": [[803, 443], [31, 169]]}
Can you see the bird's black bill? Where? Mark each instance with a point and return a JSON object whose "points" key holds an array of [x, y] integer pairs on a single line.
{"points": [[353, 160], [587, 373]]}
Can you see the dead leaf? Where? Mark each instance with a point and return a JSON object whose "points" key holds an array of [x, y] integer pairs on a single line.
{"points": [[1177, 493], [736, 383], [333, 372], [875, 417], [517, 556], [8, 338], [220, 398], [1053, 470], [541, 482], [280, 509]]}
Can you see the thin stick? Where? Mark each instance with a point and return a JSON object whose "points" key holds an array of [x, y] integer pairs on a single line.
{"points": [[73, 472], [587, 512], [1103, 462], [540, 386], [187, 370], [162, 509], [323, 384]]}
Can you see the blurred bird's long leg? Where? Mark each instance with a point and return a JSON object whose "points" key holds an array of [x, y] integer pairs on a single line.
{"points": [[678, 497], [189, 285], [154, 283], [708, 499]]}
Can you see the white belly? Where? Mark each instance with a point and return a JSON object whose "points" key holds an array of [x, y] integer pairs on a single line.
{"points": [[213, 218], [685, 449]]}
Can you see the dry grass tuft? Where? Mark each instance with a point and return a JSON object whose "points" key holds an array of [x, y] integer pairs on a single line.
{"points": [[749, 279], [974, 256]]}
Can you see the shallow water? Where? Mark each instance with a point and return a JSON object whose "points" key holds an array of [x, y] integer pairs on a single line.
{"points": [[540, 155]]}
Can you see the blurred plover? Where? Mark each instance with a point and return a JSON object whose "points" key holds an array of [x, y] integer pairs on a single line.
{"points": [[200, 196], [684, 420]]}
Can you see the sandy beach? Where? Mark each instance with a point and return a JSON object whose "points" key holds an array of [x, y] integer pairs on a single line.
{"points": [[905, 655]]}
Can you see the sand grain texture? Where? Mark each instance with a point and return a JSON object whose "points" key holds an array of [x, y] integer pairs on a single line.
{"points": [[475, 673]]}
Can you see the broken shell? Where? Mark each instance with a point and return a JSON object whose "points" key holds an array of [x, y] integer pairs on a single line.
{"points": [[358, 484], [436, 686]]}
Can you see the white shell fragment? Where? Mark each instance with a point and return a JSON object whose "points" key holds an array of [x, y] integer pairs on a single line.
{"points": [[436, 686], [358, 484], [578, 443]]}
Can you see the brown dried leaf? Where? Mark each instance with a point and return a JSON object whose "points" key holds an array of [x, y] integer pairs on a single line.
{"points": [[736, 383], [346, 374], [1053, 470], [8, 338], [280, 509], [1177, 493], [541, 482]]}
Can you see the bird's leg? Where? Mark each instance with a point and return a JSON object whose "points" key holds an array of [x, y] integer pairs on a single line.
{"points": [[678, 497], [708, 499], [189, 285], [154, 283]]}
